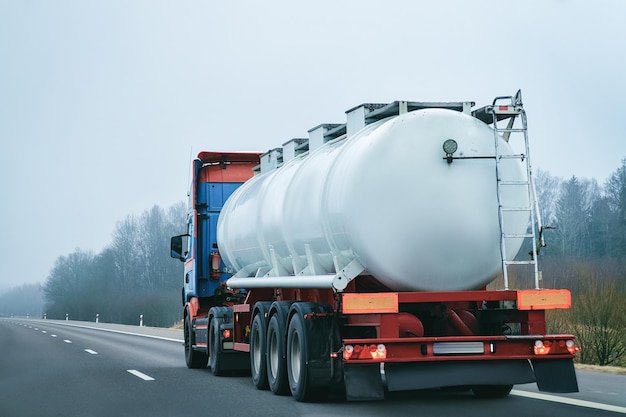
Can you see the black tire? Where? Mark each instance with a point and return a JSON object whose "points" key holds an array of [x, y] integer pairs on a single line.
{"points": [[492, 391], [276, 362], [193, 358], [214, 343], [297, 360], [258, 352]]}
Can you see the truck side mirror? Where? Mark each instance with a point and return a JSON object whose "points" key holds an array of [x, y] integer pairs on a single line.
{"points": [[178, 247]]}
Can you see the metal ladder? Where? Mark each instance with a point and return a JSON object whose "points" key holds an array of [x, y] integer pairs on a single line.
{"points": [[499, 112]]}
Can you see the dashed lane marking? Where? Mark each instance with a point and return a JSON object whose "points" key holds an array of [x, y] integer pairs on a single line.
{"points": [[92, 352], [53, 335], [140, 375], [67, 341]]}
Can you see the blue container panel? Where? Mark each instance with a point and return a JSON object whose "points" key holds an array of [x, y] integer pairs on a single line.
{"points": [[210, 200], [215, 194]]}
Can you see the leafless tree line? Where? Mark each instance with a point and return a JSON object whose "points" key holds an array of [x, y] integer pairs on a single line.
{"points": [[587, 253], [133, 275]]}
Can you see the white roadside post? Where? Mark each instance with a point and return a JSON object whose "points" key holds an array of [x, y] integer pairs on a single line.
{"points": [[97, 318], [141, 320]]}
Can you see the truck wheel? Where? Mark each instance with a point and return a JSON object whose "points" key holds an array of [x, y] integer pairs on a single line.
{"points": [[492, 391], [298, 359], [276, 363], [214, 347], [258, 352], [193, 358]]}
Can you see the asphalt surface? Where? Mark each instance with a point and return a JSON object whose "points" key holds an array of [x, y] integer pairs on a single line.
{"points": [[57, 368]]}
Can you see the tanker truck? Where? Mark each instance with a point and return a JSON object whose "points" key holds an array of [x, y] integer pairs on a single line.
{"points": [[374, 256]]}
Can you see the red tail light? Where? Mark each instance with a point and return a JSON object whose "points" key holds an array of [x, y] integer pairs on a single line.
{"points": [[364, 352]]}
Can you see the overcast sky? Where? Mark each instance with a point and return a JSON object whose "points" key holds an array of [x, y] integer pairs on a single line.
{"points": [[102, 102]]}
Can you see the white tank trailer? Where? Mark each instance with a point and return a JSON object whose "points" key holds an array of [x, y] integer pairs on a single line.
{"points": [[377, 196]]}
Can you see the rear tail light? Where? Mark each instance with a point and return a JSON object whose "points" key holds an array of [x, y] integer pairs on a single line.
{"points": [[379, 352], [571, 347], [364, 351], [348, 350], [541, 347], [561, 347]]}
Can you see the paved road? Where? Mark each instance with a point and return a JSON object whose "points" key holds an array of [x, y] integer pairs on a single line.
{"points": [[50, 368]]}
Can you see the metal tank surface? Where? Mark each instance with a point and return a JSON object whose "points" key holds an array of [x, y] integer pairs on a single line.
{"points": [[384, 199]]}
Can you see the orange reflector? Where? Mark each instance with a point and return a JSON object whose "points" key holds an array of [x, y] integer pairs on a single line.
{"points": [[226, 334], [370, 303], [543, 299]]}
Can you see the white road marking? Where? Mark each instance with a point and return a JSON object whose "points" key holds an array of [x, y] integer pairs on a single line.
{"points": [[43, 331], [93, 352], [605, 393], [570, 401], [169, 339], [67, 341], [53, 335], [140, 375], [36, 328]]}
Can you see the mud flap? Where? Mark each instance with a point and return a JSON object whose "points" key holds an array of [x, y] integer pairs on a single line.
{"points": [[423, 375], [363, 382], [555, 375], [234, 361]]}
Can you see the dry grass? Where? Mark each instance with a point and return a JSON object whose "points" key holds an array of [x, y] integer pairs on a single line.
{"points": [[606, 369], [177, 326]]}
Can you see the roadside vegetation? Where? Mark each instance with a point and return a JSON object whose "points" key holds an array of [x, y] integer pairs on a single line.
{"points": [[597, 316], [133, 276], [587, 254]]}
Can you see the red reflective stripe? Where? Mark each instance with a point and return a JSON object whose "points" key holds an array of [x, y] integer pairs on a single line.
{"points": [[503, 108]]}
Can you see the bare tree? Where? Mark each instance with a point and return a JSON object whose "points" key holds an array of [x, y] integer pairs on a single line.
{"points": [[67, 284], [615, 190], [548, 190], [572, 218]]}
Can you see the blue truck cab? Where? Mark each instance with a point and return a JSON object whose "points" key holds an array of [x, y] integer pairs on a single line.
{"points": [[214, 177]]}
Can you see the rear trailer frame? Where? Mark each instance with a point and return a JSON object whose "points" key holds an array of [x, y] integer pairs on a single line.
{"points": [[373, 342]]}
